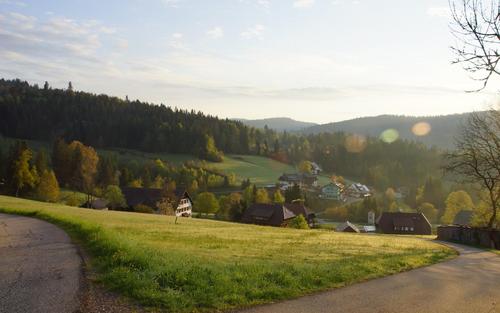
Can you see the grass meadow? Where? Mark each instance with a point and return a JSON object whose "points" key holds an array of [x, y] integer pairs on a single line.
{"points": [[203, 265], [261, 170]]}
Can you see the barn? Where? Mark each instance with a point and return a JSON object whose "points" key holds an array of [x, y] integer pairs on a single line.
{"points": [[403, 223]]}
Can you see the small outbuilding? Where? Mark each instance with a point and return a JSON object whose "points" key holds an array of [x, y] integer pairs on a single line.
{"points": [[404, 223], [347, 227]]}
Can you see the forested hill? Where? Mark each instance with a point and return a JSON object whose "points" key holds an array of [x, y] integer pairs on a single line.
{"points": [[42, 113], [278, 123], [442, 133], [45, 114]]}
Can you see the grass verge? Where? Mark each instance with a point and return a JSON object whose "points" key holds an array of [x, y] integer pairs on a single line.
{"points": [[203, 265]]}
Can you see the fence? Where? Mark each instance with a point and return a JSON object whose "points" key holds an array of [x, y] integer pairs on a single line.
{"points": [[470, 236]]}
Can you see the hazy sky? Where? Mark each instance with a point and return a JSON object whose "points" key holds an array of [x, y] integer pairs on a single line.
{"points": [[313, 60]]}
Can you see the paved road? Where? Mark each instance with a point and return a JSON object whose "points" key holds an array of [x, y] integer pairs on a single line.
{"points": [[468, 284], [40, 269]]}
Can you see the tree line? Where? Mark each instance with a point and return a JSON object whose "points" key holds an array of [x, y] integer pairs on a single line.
{"points": [[45, 114]]}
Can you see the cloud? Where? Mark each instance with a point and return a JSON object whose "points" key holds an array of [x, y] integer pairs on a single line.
{"points": [[172, 3], [303, 3], [177, 42], [11, 2], [443, 12], [216, 32], [254, 32]]}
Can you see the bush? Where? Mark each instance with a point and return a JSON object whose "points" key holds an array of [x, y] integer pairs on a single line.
{"points": [[299, 222]]}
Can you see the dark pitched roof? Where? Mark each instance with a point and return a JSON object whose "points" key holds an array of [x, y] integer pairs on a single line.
{"points": [[267, 214], [347, 227], [391, 223], [464, 218], [298, 208]]}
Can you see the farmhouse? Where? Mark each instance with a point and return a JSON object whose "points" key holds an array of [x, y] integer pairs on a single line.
{"points": [[332, 191], [153, 197], [347, 227], [404, 223], [358, 190], [276, 214], [298, 208]]}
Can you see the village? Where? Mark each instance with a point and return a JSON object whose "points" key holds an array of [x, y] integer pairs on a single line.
{"points": [[276, 214]]}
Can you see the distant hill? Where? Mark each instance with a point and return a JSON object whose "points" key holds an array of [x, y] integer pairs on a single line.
{"points": [[443, 128], [278, 123]]}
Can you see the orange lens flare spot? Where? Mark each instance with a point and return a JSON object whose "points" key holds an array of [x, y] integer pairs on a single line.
{"points": [[421, 129], [355, 143]]}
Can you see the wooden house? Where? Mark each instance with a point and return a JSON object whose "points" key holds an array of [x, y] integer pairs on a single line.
{"points": [[404, 223], [276, 214]]}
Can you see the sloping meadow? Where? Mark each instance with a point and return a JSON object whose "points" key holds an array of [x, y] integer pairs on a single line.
{"points": [[203, 265]]}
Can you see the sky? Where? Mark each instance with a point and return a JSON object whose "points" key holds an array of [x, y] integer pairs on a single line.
{"points": [[311, 60]]}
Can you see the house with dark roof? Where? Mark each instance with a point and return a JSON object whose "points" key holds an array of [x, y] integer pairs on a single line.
{"points": [[153, 197], [298, 208], [276, 214], [347, 227], [404, 223]]}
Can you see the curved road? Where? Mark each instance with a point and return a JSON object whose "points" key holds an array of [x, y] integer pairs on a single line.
{"points": [[40, 269], [469, 283]]}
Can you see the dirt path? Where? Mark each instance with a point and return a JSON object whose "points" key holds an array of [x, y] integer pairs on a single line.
{"points": [[40, 269], [468, 284]]}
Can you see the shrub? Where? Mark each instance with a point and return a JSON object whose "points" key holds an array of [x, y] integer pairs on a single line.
{"points": [[299, 222]]}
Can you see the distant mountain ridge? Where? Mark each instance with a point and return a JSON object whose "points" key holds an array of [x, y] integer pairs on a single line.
{"points": [[278, 123], [443, 130]]}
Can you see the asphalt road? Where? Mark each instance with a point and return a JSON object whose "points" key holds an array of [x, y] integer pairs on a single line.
{"points": [[40, 269], [469, 283]]}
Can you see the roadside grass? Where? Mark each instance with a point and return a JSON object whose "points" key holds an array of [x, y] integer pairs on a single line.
{"points": [[205, 266]]}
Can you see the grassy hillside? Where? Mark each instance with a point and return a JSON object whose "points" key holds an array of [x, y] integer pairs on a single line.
{"points": [[260, 170], [202, 265]]}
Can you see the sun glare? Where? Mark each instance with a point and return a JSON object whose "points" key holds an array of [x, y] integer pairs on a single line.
{"points": [[421, 129]]}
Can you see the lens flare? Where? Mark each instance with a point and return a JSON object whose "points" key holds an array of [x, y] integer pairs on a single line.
{"points": [[421, 129], [355, 143], [389, 135]]}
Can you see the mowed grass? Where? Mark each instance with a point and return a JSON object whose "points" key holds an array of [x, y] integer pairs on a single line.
{"points": [[206, 266]]}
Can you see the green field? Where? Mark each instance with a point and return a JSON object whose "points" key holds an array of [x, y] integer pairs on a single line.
{"points": [[260, 170], [203, 265]]}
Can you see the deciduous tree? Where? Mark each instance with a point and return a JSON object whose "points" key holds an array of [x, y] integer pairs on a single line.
{"points": [[476, 158]]}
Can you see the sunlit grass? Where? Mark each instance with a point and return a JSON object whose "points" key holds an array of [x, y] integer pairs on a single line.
{"points": [[203, 265]]}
